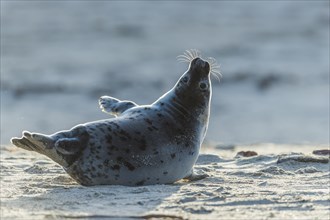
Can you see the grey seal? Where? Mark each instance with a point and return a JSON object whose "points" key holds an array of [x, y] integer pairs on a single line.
{"points": [[142, 144]]}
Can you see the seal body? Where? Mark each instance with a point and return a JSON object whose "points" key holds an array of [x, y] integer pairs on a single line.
{"points": [[142, 145]]}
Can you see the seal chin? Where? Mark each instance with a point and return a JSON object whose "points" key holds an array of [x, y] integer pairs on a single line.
{"points": [[200, 65]]}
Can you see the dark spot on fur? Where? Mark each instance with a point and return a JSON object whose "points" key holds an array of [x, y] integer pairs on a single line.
{"points": [[119, 159], [97, 157], [154, 128], [127, 150], [140, 183], [148, 178], [149, 128], [159, 115], [117, 175], [148, 121], [93, 168], [124, 133], [129, 166], [187, 144], [109, 129], [143, 144], [165, 172], [106, 163], [173, 156], [162, 161], [156, 152], [113, 148], [123, 138], [109, 139], [157, 179], [180, 131], [191, 153], [103, 131], [161, 103], [115, 167], [115, 124], [100, 166], [137, 132]]}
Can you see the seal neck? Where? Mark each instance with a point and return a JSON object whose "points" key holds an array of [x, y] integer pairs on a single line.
{"points": [[174, 107]]}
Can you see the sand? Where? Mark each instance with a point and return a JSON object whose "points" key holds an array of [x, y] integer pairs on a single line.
{"points": [[281, 182]]}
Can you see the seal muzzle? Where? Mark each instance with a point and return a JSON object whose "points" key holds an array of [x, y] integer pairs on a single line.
{"points": [[200, 66]]}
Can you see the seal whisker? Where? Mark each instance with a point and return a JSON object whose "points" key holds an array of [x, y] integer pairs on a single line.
{"points": [[189, 55], [214, 68], [183, 58], [196, 53], [188, 52]]}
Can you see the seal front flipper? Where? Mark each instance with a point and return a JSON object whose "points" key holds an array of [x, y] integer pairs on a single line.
{"points": [[114, 106]]}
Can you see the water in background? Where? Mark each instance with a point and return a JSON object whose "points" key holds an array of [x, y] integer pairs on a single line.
{"points": [[57, 58]]}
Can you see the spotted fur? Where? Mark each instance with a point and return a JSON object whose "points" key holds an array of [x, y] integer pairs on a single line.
{"points": [[142, 145]]}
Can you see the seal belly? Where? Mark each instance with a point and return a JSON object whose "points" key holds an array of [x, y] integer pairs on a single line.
{"points": [[134, 152]]}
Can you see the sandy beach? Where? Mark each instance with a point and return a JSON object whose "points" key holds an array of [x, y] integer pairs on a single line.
{"points": [[281, 182]]}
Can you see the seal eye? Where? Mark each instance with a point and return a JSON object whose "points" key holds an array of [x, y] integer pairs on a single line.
{"points": [[185, 79], [203, 86]]}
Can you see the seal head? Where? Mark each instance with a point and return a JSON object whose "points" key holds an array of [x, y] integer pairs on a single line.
{"points": [[192, 93]]}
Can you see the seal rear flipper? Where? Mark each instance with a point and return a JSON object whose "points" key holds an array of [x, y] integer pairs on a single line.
{"points": [[34, 142], [59, 148], [42, 144], [114, 106], [22, 143]]}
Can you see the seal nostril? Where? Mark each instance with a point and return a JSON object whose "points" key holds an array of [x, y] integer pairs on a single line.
{"points": [[200, 64]]}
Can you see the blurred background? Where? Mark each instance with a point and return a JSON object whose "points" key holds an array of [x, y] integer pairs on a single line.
{"points": [[58, 57]]}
